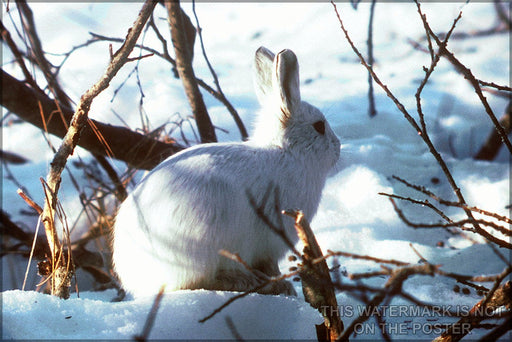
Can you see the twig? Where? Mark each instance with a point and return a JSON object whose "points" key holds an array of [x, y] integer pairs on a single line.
{"points": [[443, 51], [98, 37], [460, 224], [165, 55], [503, 258], [358, 276], [411, 120], [150, 320], [377, 80], [246, 293], [30, 202], [138, 58], [36, 233], [445, 202], [498, 296], [501, 330], [6, 36], [27, 19], [260, 212], [232, 328], [392, 287], [419, 47], [424, 134], [371, 99], [120, 192], [428, 72], [494, 85], [426, 203], [422, 259], [385, 271], [235, 257], [492, 145], [423, 203], [48, 221], [366, 257]]}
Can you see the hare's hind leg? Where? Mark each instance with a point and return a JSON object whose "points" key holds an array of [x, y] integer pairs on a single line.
{"points": [[235, 280], [242, 280], [271, 269]]}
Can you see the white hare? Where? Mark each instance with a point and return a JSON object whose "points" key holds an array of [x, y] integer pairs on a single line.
{"points": [[170, 229]]}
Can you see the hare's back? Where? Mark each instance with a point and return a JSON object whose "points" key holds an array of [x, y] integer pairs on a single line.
{"points": [[209, 175], [236, 164]]}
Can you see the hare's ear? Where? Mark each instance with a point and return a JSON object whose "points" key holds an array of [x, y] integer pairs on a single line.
{"points": [[286, 80], [263, 65]]}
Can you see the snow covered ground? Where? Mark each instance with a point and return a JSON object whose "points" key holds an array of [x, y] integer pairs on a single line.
{"points": [[352, 216]]}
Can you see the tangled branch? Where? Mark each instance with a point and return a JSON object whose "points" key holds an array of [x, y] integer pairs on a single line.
{"points": [[71, 138], [507, 232], [421, 128]]}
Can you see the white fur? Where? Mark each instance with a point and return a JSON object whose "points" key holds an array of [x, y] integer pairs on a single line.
{"points": [[172, 226]]}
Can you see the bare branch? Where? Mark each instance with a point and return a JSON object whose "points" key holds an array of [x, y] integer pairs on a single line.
{"points": [[434, 60], [316, 280], [183, 49], [497, 297], [138, 150], [235, 257], [232, 328], [501, 330], [150, 319], [366, 257], [450, 203], [491, 147], [120, 192], [443, 51], [165, 55], [260, 212], [6, 36], [246, 293], [423, 203], [228, 105], [460, 224], [371, 99], [37, 52], [392, 287], [72, 136], [30, 202], [494, 85], [423, 134], [377, 80]]}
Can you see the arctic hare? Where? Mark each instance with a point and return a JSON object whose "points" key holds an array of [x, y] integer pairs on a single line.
{"points": [[170, 229]]}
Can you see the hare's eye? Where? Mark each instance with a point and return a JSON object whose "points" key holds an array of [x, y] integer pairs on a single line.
{"points": [[319, 126]]}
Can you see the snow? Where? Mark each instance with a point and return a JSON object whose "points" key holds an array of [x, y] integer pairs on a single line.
{"points": [[94, 317], [352, 216]]}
